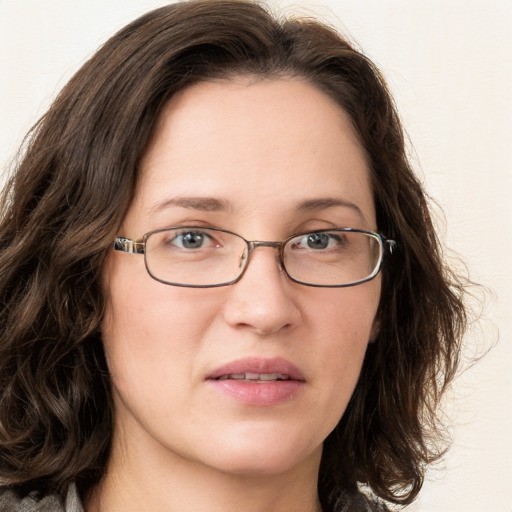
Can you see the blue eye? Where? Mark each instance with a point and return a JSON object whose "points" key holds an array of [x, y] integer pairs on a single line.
{"points": [[318, 241], [192, 240]]}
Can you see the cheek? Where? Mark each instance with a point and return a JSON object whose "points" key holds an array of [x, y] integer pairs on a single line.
{"points": [[147, 323], [346, 315], [344, 324]]}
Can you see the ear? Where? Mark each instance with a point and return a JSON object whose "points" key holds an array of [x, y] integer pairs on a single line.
{"points": [[375, 330]]}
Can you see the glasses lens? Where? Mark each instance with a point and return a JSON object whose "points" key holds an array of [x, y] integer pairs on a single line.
{"points": [[333, 258], [195, 256]]}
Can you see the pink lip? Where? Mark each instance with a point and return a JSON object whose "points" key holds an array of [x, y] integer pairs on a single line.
{"points": [[258, 393], [258, 365]]}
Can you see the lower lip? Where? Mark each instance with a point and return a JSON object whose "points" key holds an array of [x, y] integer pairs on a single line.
{"points": [[259, 393]]}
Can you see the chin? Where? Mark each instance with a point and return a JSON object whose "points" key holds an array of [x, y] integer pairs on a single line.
{"points": [[259, 457]]}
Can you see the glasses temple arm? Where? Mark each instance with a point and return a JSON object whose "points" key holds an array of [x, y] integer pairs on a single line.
{"points": [[130, 246]]}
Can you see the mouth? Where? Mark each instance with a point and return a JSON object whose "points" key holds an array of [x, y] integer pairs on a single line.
{"points": [[258, 382], [255, 369], [256, 377]]}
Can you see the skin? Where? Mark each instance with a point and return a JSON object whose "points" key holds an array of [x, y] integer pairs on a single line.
{"points": [[261, 148]]}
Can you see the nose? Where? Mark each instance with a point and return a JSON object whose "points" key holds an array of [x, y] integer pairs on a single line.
{"points": [[264, 300]]}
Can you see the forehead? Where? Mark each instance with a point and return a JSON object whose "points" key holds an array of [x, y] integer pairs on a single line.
{"points": [[247, 142]]}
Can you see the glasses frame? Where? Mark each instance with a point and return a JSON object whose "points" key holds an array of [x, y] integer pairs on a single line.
{"points": [[387, 246]]}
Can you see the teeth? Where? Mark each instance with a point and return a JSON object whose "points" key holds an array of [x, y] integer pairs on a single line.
{"points": [[273, 376], [255, 376]]}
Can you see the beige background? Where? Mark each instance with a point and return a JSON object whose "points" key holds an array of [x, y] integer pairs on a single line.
{"points": [[449, 64]]}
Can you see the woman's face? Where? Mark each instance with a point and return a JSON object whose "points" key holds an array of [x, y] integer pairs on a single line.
{"points": [[265, 159]]}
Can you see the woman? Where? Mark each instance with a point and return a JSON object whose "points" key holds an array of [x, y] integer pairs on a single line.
{"points": [[220, 283]]}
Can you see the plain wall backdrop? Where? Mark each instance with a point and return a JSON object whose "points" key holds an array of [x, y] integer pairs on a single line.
{"points": [[449, 65]]}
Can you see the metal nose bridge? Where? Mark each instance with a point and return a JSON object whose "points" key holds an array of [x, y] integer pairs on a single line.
{"points": [[254, 244], [265, 243]]}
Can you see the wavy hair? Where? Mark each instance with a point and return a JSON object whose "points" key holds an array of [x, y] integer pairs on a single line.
{"points": [[65, 202]]}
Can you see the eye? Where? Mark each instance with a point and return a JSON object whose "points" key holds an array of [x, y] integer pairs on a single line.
{"points": [[318, 241], [192, 240]]}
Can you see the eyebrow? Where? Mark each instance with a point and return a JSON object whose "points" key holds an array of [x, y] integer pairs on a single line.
{"points": [[212, 204], [206, 204], [323, 203]]}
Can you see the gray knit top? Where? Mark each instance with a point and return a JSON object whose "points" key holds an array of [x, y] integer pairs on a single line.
{"points": [[11, 501]]}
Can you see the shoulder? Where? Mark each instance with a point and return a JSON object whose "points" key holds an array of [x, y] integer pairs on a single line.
{"points": [[12, 500], [357, 502]]}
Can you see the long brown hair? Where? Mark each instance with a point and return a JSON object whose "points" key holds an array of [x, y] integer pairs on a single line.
{"points": [[66, 200]]}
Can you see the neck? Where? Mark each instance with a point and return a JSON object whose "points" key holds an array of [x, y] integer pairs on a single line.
{"points": [[141, 481]]}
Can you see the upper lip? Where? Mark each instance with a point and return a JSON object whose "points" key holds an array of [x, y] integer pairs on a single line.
{"points": [[258, 365]]}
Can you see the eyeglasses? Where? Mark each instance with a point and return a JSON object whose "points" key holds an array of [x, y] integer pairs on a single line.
{"points": [[199, 257]]}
